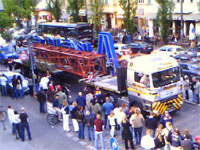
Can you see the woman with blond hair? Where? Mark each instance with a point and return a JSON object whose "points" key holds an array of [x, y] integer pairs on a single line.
{"points": [[126, 133], [65, 112], [111, 119], [73, 116]]}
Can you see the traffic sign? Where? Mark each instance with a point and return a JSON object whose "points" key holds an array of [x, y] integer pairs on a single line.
{"points": [[113, 144], [23, 56]]}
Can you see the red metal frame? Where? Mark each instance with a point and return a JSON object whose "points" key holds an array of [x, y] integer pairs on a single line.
{"points": [[76, 62]]}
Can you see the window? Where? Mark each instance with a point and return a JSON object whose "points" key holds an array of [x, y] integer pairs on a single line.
{"points": [[170, 49], [185, 67], [141, 1], [142, 78], [163, 49]]}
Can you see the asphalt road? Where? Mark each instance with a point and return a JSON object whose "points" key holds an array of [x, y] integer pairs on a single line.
{"points": [[46, 138]]}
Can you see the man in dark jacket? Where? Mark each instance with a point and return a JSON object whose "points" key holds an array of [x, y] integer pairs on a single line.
{"points": [[41, 97], [151, 123], [187, 144], [24, 124], [89, 123], [81, 100]]}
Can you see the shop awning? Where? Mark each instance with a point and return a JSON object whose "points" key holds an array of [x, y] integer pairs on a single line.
{"points": [[1, 6], [195, 17]]}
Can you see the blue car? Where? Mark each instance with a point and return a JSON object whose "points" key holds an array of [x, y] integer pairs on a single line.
{"points": [[7, 52]]}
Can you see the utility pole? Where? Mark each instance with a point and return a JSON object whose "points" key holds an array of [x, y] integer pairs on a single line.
{"points": [[181, 21]]}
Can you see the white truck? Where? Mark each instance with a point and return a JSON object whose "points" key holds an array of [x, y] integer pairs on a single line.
{"points": [[149, 81]]}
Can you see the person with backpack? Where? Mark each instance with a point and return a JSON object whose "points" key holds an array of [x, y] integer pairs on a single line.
{"points": [[159, 141], [167, 133]]}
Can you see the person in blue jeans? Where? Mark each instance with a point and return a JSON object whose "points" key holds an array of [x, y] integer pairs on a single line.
{"points": [[80, 118], [107, 108], [24, 124], [99, 127], [3, 84], [20, 90], [89, 124]]}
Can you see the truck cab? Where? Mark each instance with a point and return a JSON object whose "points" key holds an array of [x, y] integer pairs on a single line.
{"points": [[154, 82]]}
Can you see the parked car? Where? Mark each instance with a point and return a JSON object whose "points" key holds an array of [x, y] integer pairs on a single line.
{"points": [[121, 49], [170, 50], [190, 67], [7, 52], [141, 47], [9, 75]]}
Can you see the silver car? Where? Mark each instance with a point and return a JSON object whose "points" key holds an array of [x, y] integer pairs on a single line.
{"points": [[9, 75]]}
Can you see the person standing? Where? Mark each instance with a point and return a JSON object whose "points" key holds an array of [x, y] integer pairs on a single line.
{"points": [[3, 84], [16, 122], [111, 119], [89, 124], [89, 97], [192, 86], [197, 91], [81, 100], [80, 118], [10, 113], [99, 127], [187, 87], [61, 96], [137, 121], [167, 132], [14, 87], [73, 116], [166, 118], [151, 124], [120, 115], [187, 144], [95, 108], [41, 97], [147, 142], [20, 90], [176, 140], [24, 124], [107, 108], [126, 133], [65, 114]]}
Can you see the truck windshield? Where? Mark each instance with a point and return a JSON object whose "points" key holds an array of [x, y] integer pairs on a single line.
{"points": [[166, 77]]}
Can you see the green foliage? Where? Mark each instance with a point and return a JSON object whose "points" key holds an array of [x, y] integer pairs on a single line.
{"points": [[129, 7], [19, 8], [164, 17], [96, 8], [54, 6], [73, 9]]}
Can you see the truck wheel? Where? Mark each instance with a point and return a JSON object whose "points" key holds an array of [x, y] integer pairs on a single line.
{"points": [[113, 98]]}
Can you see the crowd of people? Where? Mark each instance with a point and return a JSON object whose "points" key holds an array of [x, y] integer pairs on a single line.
{"points": [[95, 113]]}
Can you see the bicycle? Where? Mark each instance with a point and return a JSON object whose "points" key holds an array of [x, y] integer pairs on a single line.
{"points": [[3, 117]]}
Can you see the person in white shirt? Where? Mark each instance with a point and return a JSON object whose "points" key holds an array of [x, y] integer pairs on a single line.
{"points": [[10, 117], [111, 119], [147, 142], [197, 91], [3, 85], [120, 115], [44, 83], [16, 122]]}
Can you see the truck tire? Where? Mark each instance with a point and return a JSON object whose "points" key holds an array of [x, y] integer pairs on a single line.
{"points": [[113, 97]]}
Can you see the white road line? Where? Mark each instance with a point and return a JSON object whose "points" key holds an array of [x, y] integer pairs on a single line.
{"points": [[82, 143]]}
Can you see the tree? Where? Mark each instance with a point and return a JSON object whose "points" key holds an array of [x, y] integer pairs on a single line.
{"points": [[54, 6], [73, 9], [96, 8], [129, 7], [164, 17], [5, 21]]}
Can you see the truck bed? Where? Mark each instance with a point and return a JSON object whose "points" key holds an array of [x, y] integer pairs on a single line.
{"points": [[108, 83]]}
